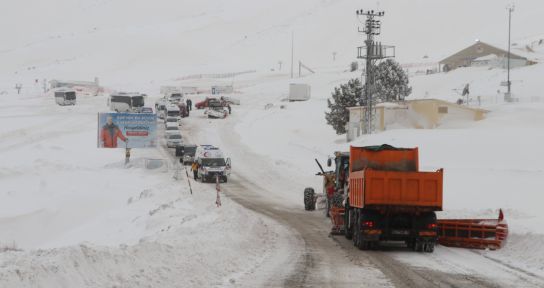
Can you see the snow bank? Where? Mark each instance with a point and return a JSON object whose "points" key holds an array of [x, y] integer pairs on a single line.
{"points": [[73, 215]]}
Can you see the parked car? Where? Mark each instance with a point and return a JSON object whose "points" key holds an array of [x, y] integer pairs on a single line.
{"points": [[162, 114], [205, 103], [175, 98], [172, 110], [171, 119], [173, 140], [161, 104], [189, 151], [172, 128], [146, 110]]}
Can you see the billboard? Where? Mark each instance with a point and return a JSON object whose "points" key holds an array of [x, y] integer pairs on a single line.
{"points": [[222, 89], [127, 130]]}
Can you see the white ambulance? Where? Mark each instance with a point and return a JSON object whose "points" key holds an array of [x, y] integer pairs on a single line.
{"points": [[212, 163]]}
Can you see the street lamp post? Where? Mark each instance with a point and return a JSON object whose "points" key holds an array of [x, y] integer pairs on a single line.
{"points": [[508, 83]]}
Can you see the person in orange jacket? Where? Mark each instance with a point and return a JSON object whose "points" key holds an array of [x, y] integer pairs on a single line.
{"points": [[194, 167], [110, 133]]}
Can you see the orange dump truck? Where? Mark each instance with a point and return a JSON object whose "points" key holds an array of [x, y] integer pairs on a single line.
{"points": [[389, 199]]}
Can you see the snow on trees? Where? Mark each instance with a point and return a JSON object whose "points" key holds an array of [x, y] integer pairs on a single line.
{"points": [[391, 82], [347, 95]]}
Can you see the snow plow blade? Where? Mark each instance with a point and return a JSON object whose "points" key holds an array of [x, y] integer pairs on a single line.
{"points": [[337, 219], [473, 233]]}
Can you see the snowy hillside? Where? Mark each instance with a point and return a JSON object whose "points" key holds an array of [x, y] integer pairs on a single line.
{"points": [[143, 43]]}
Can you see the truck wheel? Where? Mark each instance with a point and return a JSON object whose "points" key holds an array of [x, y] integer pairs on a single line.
{"points": [[355, 235], [327, 207], [348, 229], [429, 247], [410, 244], [309, 196], [419, 246]]}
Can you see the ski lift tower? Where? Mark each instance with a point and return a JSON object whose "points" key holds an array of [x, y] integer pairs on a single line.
{"points": [[371, 52]]}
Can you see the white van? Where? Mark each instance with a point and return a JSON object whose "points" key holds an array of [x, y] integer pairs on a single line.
{"points": [[65, 97], [212, 163], [126, 102]]}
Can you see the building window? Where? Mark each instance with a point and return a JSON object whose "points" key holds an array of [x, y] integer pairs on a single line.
{"points": [[443, 110]]}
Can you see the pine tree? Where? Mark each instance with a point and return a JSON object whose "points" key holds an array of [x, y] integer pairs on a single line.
{"points": [[391, 82], [347, 95]]}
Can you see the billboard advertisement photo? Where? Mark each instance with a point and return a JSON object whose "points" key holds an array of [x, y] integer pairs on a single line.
{"points": [[127, 130]]}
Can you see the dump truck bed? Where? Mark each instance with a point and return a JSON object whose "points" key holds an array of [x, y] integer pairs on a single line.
{"points": [[385, 176], [373, 188]]}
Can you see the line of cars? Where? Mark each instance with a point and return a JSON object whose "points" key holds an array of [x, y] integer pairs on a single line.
{"points": [[171, 104], [210, 160]]}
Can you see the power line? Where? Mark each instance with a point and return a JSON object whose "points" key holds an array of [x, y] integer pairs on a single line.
{"points": [[372, 52]]}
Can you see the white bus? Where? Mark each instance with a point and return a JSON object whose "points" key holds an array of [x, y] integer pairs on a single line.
{"points": [[126, 102], [65, 97]]}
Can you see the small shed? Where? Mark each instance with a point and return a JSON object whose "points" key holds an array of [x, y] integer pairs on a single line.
{"points": [[299, 92]]}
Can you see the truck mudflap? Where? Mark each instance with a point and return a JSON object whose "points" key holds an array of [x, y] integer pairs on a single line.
{"points": [[337, 218], [473, 233]]}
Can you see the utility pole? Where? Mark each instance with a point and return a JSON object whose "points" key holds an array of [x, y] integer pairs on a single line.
{"points": [[18, 87], [372, 52], [292, 51], [509, 84]]}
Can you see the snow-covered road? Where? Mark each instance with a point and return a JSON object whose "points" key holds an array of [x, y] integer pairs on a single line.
{"points": [[268, 178]]}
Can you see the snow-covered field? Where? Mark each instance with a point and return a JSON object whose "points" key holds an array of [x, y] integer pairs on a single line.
{"points": [[72, 215]]}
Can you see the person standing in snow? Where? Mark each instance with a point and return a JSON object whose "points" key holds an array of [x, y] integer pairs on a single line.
{"points": [[189, 104], [194, 168], [127, 156], [466, 90], [110, 133]]}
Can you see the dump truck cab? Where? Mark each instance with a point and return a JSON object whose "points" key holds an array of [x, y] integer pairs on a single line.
{"points": [[335, 182], [341, 171]]}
